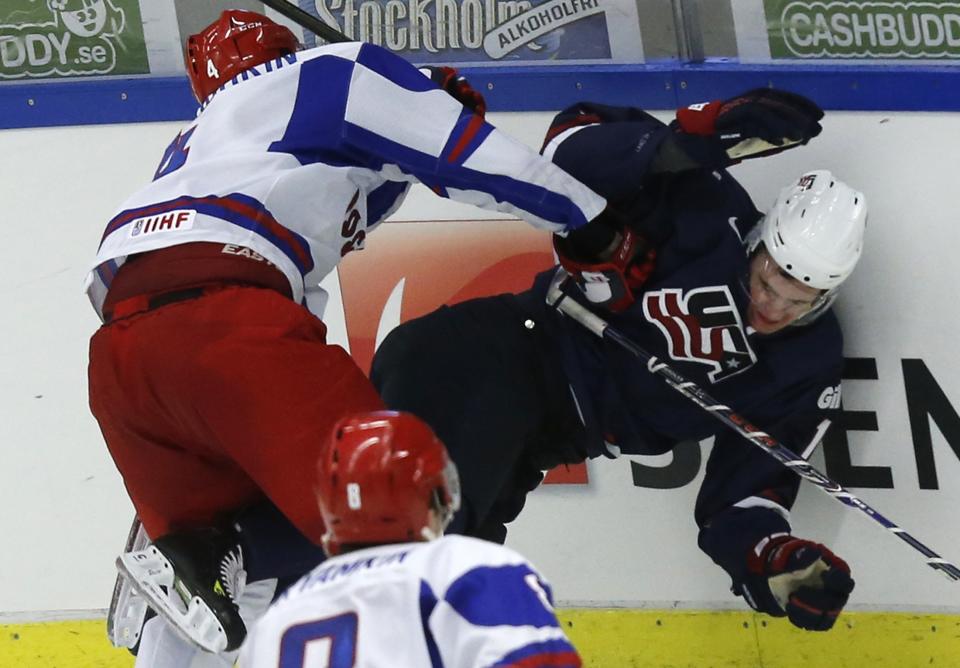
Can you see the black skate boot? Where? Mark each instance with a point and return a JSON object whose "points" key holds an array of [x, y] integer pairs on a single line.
{"points": [[193, 579]]}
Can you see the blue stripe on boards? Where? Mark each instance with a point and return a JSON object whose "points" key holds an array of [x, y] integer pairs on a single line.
{"points": [[652, 86], [315, 130], [394, 68], [428, 602], [500, 595]]}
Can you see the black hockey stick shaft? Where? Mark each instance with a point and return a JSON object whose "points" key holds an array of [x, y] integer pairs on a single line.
{"points": [[557, 298], [307, 20]]}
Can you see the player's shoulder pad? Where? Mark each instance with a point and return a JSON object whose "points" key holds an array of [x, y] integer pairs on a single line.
{"points": [[458, 554], [346, 50], [826, 337], [591, 113], [811, 354]]}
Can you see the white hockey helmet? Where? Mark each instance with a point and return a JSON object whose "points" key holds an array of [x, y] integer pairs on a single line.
{"points": [[814, 231]]}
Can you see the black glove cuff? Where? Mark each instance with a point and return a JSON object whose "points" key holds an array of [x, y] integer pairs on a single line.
{"points": [[707, 152], [587, 243]]}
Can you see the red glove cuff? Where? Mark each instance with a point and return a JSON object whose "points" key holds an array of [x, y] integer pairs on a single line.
{"points": [[699, 119], [444, 75], [778, 554], [615, 279]]}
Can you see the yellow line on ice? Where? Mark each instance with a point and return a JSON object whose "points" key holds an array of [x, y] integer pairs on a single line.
{"points": [[615, 638], [72, 644], [713, 639]]}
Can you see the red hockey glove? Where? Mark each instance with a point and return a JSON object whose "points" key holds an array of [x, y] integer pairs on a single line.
{"points": [[799, 579], [758, 123], [608, 260], [458, 87]]}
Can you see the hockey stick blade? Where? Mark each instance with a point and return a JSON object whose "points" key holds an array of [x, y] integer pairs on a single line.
{"points": [[308, 21], [558, 299]]}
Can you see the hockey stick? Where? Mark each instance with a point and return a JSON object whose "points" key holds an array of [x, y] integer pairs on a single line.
{"points": [[557, 298], [308, 21]]}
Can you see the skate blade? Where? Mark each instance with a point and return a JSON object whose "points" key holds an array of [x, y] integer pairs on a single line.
{"points": [[151, 576], [128, 610]]}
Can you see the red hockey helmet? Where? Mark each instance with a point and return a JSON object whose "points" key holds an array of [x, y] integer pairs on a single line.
{"points": [[235, 42], [381, 476]]}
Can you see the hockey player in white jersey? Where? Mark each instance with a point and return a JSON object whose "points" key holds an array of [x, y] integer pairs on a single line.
{"points": [[395, 594], [211, 378]]}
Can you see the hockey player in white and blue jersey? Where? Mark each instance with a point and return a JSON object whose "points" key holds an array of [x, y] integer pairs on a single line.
{"points": [[211, 378], [394, 593]]}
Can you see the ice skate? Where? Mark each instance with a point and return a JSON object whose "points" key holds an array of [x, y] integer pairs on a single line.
{"points": [[192, 579]]}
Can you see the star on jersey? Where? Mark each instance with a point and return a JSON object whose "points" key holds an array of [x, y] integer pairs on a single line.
{"points": [[703, 326]]}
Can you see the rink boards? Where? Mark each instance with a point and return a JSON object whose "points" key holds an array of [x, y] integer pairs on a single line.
{"points": [[620, 534]]}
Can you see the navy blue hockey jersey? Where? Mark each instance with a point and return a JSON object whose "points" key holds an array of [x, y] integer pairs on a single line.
{"points": [[693, 315]]}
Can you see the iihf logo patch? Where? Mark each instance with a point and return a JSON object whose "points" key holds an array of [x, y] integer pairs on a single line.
{"points": [[181, 219], [702, 326]]}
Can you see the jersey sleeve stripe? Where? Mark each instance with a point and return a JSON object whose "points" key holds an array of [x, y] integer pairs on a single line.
{"points": [[547, 654], [107, 271], [470, 132], [530, 197]]}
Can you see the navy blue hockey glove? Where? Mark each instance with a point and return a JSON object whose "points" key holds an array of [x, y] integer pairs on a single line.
{"points": [[458, 87], [608, 260], [799, 579], [758, 123]]}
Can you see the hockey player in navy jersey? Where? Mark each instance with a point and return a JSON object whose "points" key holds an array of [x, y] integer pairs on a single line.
{"points": [[394, 592], [211, 378], [736, 301]]}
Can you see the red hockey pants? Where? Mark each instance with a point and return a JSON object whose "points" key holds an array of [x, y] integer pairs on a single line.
{"points": [[209, 403]]}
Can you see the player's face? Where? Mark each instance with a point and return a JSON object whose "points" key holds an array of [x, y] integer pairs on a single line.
{"points": [[776, 299]]}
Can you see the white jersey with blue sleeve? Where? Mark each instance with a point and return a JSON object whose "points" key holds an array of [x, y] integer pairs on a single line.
{"points": [[456, 602], [300, 157]]}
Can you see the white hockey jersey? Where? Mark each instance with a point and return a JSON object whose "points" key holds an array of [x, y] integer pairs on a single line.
{"points": [[456, 602], [300, 157]]}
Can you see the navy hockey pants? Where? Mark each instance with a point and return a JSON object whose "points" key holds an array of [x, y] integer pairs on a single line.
{"points": [[491, 387]]}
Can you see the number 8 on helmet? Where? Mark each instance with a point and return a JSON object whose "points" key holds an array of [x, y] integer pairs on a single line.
{"points": [[385, 478]]}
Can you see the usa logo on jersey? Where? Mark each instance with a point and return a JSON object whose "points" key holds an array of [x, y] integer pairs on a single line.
{"points": [[703, 326]]}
